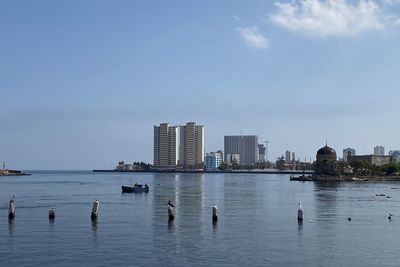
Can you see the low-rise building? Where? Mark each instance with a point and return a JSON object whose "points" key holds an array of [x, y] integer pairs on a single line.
{"points": [[233, 158], [348, 152], [212, 161], [370, 159]]}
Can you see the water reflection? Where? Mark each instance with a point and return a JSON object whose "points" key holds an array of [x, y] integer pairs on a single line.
{"points": [[95, 227], [171, 226], [326, 199], [11, 226], [300, 228]]}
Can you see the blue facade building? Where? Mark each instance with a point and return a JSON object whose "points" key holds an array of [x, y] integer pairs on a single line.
{"points": [[212, 161]]}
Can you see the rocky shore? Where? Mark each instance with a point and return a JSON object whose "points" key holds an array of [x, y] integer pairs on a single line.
{"points": [[344, 178]]}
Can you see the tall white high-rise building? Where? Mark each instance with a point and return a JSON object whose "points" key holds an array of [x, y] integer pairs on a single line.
{"points": [[191, 146], [348, 152], [165, 146], [379, 150], [244, 145], [287, 156]]}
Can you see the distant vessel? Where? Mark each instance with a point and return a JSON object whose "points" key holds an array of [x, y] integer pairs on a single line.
{"points": [[136, 188]]}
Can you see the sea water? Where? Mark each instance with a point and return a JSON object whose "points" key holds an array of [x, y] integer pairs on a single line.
{"points": [[257, 223]]}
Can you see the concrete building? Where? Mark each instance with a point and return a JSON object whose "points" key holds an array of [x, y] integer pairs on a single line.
{"points": [[212, 161], [191, 146], [165, 146], [232, 158], [261, 152], [348, 152], [379, 150], [394, 153], [287, 156], [371, 159], [244, 145], [293, 156]]}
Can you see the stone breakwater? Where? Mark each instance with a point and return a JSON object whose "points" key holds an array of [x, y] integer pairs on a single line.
{"points": [[354, 178], [12, 173]]}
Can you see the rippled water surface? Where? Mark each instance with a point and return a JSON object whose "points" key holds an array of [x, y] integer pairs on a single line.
{"points": [[257, 221]]}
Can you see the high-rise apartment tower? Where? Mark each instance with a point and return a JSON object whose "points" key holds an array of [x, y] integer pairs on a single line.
{"points": [[165, 146], [191, 146]]}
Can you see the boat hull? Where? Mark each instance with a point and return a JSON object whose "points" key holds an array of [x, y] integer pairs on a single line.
{"points": [[130, 189]]}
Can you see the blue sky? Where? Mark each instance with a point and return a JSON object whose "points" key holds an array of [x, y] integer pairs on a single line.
{"points": [[83, 82]]}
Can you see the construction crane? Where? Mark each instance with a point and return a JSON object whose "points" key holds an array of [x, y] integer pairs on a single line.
{"points": [[266, 149]]}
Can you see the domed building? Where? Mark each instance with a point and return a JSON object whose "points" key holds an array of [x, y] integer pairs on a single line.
{"points": [[327, 161]]}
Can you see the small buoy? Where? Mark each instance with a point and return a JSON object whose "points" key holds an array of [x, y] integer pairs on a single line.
{"points": [[349, 219], [214, 213], [52, 214], [11, 209], [95, 209], [171, 213], [300, 213]]}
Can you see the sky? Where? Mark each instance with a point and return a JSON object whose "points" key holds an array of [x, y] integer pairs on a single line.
{"points": [[82, 83]]}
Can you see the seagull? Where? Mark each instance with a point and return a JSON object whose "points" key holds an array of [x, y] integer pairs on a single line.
{"points": [[170, 204], [390, 216]]}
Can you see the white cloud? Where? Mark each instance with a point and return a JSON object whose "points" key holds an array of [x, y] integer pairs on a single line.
{"points": [[253, 37], [331, 18], [391, 2]]}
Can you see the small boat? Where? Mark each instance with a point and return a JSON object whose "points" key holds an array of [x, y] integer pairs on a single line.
{"points": [[136, 188]]}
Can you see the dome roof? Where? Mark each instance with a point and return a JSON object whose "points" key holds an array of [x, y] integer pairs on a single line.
{"points": [[326, 151]]}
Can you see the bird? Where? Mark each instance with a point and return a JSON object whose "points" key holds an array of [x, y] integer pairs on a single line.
{"points": [[390, 216], [170, 204], [349, 219]]}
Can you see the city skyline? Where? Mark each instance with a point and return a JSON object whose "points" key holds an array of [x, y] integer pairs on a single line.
{"points": [[84, 82]]}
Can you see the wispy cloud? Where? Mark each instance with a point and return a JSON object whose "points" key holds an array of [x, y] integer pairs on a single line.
{"points": [[237, 18], [253, 37], [332, 18]]}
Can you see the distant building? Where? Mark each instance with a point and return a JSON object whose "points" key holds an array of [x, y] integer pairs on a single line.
{"points": [[122, 166], [212, 161], [379, 150], [370, 159], [327, 161], [293, 156], [394, 153], [287, 156], [232, 158], [165, 146], [261, 152], [191, 146], [348, 152], [244, 145], [221, 153]]}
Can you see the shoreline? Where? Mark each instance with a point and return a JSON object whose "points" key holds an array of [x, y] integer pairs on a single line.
{"points": [[13, 173], [323, 178], [216, 172]]}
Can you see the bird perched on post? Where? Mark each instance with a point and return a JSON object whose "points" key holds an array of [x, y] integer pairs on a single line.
{"points": [[170, 204]]}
